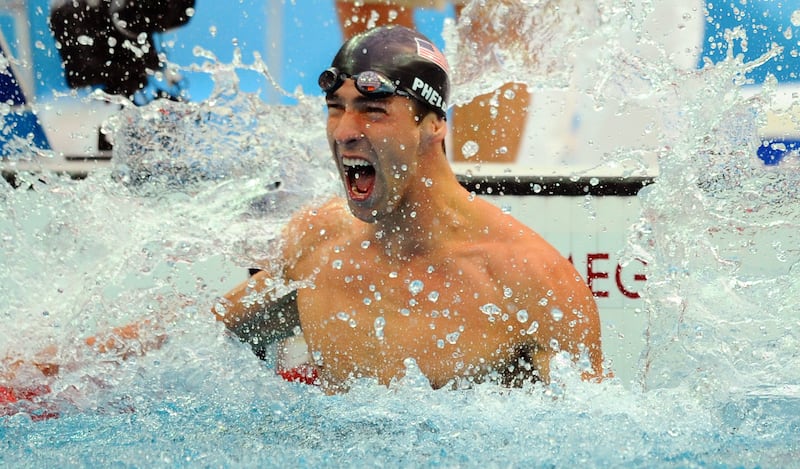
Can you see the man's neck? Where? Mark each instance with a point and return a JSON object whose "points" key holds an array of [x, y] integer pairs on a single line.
{"points": [[427, 217]]}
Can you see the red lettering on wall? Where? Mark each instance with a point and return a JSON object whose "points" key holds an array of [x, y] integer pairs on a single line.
{"points": [[594, 272], [637, 277], [591, 275]]}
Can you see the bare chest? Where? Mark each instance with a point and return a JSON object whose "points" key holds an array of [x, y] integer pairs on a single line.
{"points": [[364, 319]]}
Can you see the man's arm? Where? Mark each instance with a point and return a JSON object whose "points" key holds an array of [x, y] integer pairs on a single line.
{"points": [[249, 313], [249, 310]]}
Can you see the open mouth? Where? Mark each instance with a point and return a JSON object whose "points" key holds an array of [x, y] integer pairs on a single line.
{"points": [[360, 176]]}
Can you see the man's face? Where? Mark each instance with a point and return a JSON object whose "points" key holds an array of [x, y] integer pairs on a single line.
{"points": [[375, 143]]}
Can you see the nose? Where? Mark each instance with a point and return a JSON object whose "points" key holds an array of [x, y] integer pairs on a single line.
{"points": [[346, 128]]}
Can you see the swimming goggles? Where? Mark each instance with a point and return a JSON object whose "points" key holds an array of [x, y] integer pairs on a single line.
{"points": [[370, 83]]}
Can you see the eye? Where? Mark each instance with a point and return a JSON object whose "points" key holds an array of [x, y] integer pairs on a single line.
{"points": [[376, 109], [334, 107]]}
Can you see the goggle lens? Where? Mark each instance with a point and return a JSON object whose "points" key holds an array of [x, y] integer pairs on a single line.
{"points": [[330, 80], [369, 83]]}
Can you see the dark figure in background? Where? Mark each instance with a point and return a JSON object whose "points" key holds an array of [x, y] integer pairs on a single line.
{"points": [[109, 43]]}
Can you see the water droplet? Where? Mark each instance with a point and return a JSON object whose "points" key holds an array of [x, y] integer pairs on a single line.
{"points": [[522, 316], [491, 310], [352, 323], [415, 286], [452, 337], [507, 292], [337, 264], [404, 311], [433, 296], [543, 302], [392, 274], [533, 327], [557, 314], [469, 149], [440, 343], [379, 325], [342, 316], [367, 301], [365, 244]]}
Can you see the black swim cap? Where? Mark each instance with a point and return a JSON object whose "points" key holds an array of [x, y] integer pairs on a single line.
{"points": [[409, 59]]}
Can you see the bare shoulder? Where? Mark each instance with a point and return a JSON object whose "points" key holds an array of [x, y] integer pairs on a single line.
{"points": [[549, 288], [525, 255], [331, 215], [313, 226], [509, 239], [517, 255]]}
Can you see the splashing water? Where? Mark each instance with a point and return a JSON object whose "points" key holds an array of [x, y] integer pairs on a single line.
{"points": [[199, 191]]}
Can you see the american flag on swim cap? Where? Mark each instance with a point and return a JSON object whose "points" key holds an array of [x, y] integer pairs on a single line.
{"points": [[428, 51]]}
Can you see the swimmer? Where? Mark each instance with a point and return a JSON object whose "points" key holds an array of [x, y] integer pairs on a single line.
{"points": [[410, 265]]}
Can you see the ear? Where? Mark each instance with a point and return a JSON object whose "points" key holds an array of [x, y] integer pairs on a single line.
{"points": [[434, 129]]}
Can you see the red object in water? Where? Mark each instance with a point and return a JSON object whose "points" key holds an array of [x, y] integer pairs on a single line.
{"points": [[305, 374], [37, 411], [7, 395]]}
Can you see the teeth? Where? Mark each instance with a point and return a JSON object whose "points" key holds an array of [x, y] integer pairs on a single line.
{"points": [[355, 162]]}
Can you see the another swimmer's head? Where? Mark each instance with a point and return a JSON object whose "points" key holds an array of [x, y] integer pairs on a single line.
{"points": [[392, 60]]}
